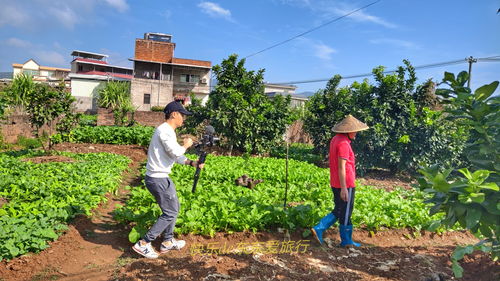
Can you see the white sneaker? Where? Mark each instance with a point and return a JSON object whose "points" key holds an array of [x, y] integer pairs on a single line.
{"points": [[172, 245], [145, 249]]}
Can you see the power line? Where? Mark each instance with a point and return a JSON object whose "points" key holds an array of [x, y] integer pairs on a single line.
{"points": [[425, 66], [312, 29]]}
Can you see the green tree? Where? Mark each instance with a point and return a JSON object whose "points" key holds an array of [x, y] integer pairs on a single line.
{"points": [[116, 96], [50, 106], [192, 122], [238, 108], [403, 131], [470, 196], [330, 105]]}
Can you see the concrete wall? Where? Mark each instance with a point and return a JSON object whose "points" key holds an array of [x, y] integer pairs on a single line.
{"points": [[160, 91], [186, 88]]}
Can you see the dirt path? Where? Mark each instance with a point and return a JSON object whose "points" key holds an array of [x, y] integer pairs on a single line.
{"points": [[97, 248]]}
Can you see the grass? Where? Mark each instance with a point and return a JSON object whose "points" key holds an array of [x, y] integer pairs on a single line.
{"points": [[48, 273]]}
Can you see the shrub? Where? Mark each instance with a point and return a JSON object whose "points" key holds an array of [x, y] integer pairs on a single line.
{"points": [[29, 143], [157, 108], [470, 196], [116, 96], [87, 120]]}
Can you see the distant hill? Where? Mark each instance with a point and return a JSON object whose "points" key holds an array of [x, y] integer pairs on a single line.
{"points": [[306, 94], [5, 75]]}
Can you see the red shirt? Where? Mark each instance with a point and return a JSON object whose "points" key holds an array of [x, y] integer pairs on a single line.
{"points": [[340, 146]]}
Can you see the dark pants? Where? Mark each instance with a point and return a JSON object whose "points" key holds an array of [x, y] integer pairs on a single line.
{"points": [[163, 189], [343, 209]]}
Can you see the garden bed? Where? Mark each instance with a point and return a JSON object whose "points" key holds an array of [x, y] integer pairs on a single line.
{"points": [[97, 248]]}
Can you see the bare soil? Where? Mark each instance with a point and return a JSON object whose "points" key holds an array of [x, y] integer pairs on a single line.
{"points": [[49, 158], [97, 248]]}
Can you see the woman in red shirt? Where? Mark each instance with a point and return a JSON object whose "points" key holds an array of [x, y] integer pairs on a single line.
{"points": [[342, 180]]}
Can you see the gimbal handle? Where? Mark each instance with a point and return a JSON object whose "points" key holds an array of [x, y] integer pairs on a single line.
{"points": [[201, 160]]}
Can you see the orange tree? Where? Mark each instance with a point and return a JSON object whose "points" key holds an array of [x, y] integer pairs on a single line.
{"points": [[404, 130], [51, 106], [239, 110]]}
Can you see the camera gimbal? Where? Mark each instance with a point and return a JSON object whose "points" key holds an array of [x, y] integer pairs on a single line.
{"points": [[207, 140]]}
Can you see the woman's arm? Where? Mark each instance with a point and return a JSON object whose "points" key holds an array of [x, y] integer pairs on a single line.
{"points": [[343, 185]]}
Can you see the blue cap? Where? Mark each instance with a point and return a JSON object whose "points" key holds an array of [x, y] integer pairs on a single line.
{"points": [[176, 106]]}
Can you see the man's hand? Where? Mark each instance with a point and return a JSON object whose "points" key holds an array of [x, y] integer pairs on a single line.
{"points": [[187, 143], [344, 195], [195, 163]]}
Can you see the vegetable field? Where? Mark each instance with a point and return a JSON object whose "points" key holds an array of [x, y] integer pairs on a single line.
{"points": [[40, 198], [98, 247], [220, 205]]}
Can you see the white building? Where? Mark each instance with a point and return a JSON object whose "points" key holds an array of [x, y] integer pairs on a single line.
{"points": [[89, 73], [272, 90], [46, 74]]}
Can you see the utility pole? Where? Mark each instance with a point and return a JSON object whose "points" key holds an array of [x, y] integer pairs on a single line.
{"points": [[470, 60]]}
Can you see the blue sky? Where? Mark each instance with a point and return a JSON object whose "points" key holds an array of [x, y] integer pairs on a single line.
{"points": [[383, 34]]}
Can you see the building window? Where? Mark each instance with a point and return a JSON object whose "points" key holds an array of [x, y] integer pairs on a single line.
{"points": [[31, 72], [147, 98], [190, 78]]}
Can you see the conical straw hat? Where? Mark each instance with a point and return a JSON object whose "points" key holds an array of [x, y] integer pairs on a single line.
{"points": [[349, 125]]}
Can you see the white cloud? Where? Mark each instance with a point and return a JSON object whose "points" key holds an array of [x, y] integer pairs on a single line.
{"points": [[167, 14], [299, 3], [363, 16], [395, 42], [11, 15], [65, 15], [51, 58], [120, 5], [328, 9], [323, 51], [16, 42], [214, 10], [317, 48], [41, 14]]}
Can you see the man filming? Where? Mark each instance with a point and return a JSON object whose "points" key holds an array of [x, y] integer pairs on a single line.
{"points": [[163, 152]]}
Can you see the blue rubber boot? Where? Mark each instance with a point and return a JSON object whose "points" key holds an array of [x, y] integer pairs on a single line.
{"points": [[346, 236], [323, 225]]}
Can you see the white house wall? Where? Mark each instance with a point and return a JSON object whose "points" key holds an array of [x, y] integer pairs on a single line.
{"points": [[17, 71], [203, 98], [86, 91], [31, 65]]}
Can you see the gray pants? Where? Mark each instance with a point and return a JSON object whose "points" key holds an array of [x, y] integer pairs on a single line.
{"points": [[163, 189]]}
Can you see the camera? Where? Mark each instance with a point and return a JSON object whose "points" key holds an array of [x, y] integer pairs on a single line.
{"points": [[208, 139]]}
